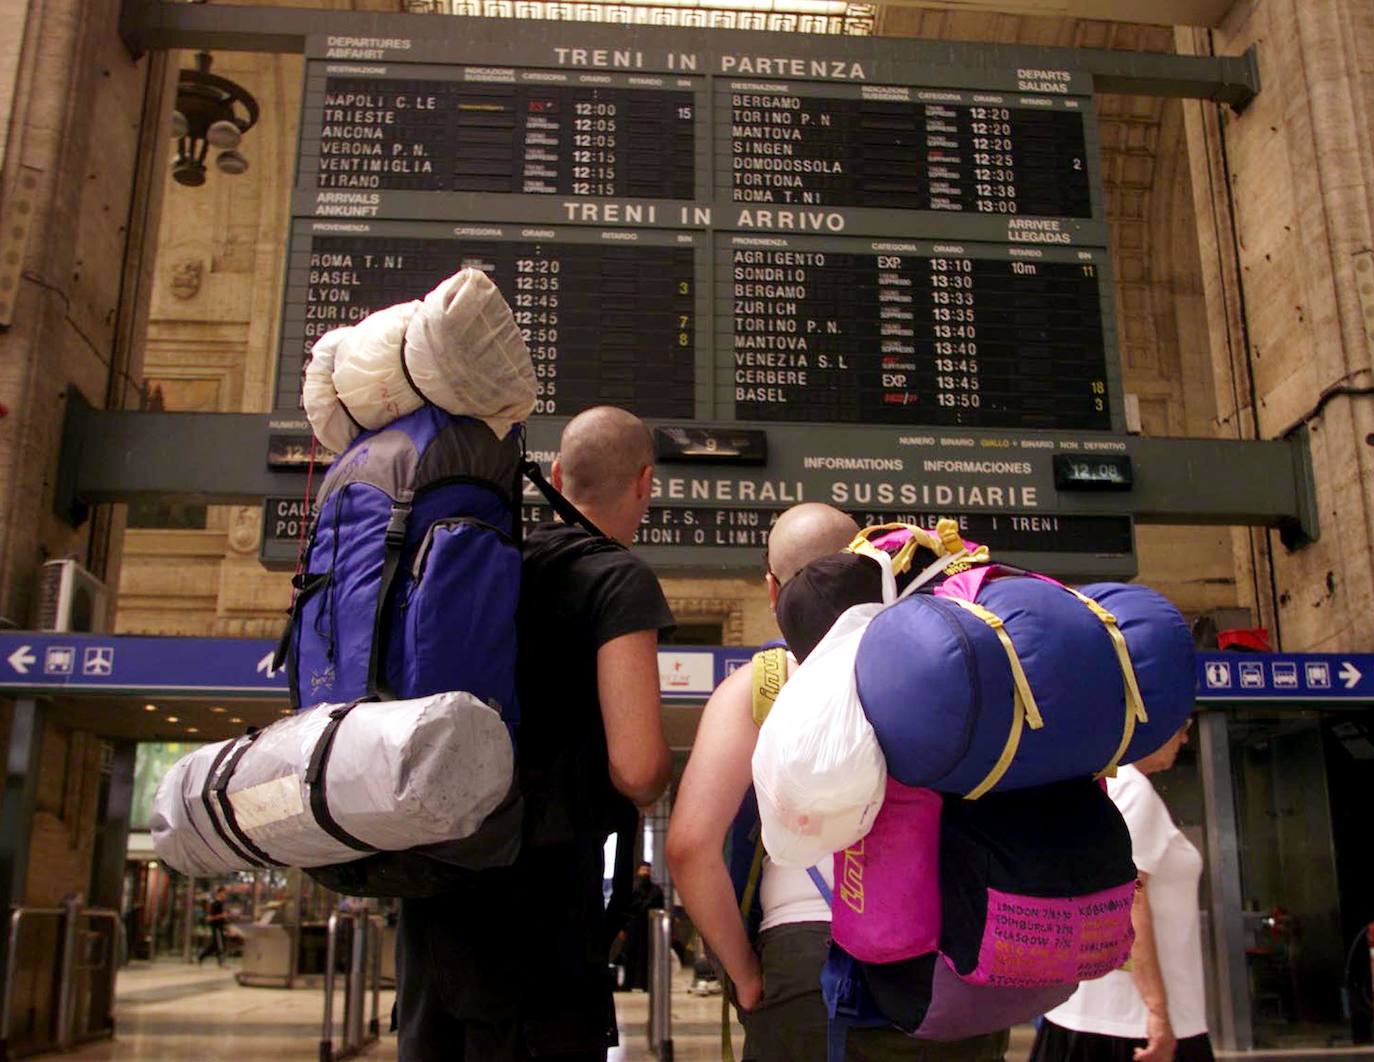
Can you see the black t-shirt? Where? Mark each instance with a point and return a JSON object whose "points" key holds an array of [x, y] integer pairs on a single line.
{"points": [[530, 939], [578, 592]]}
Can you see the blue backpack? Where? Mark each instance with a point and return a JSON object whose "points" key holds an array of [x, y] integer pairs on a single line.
{"points": [[409, 587]]}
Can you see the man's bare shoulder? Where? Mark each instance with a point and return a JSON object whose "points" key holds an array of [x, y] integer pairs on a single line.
{"points": [[737, 687]]}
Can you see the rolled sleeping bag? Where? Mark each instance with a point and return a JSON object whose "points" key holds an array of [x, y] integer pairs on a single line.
{"points": [[368, 372], [329, 420], [335, 783], [937, 682], [465, 353], [1160, 643]]}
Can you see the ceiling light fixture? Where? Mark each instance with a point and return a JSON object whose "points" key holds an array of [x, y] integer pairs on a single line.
{"points": [[211, 111]]}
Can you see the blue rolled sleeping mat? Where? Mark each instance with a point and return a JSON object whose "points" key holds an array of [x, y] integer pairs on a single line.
{"points": [[939, 684]]}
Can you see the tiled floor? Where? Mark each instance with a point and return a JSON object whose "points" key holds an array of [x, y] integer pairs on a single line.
{"points": [[169, 1010]]}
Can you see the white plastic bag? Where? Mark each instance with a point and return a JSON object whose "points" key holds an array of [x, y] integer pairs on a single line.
{"points": [[328, 419], [466, 354], [819, 772], [367, 368]]}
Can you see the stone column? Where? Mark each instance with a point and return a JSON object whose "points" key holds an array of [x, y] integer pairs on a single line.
{"points": [[1289, 187], [76, 202]]}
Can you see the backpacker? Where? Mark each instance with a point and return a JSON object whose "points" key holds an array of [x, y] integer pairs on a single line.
{"points": [[410, 585], [954, 916]]}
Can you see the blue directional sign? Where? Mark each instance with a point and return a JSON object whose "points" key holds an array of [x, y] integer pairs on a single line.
{"points": [[239, 667], [1285, 677], [242, 667]]}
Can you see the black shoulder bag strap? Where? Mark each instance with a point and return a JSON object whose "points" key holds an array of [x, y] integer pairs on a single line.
{"points": [[569, 512], [221, 791], [395, 543], [314, 778], [208, 800]]}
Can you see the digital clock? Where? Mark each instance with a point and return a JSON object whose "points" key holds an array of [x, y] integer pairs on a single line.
{"points": [[1081, 472], [717, 446]]}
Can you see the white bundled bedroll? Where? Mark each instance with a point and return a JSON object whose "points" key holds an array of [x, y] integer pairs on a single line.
{"points": [[459, 349], [336, 783]]}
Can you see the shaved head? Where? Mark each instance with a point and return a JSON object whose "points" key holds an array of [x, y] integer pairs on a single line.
{"points": [[603, 452], [805, 533]]}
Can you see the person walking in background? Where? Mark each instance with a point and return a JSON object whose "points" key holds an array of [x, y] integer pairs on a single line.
{"points": [[633, 938], [1153, 1009], [215, 919]]}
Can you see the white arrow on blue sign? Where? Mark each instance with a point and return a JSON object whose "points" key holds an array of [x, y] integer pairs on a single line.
{"points": [[22, 659]]}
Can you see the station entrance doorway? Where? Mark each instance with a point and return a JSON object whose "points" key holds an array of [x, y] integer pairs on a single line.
{"points": [[1277, 793]]}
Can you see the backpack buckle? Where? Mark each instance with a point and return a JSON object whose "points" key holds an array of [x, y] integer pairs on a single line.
{"points": [[396, 526]]}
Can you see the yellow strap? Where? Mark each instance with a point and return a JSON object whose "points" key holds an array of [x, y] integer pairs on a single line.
{"points": [[768, 676], [1018, 719], [1018, 673], [1135, 703], [901, 560], [746, 901], [969, 560], [1024, 710], [769, 672], [947, 531]]}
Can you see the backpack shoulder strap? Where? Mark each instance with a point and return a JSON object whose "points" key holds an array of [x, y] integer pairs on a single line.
{"points": [[768, 674], [769, 668]]}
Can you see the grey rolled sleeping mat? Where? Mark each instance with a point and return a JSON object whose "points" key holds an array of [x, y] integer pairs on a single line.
{"points": [[334, 783]]}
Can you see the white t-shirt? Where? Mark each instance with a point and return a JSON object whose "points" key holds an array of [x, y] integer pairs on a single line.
{"points": [[789, 895], [1111, 1005]]}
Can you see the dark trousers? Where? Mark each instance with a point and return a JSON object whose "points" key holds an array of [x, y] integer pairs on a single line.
{"points": [[790, 1024], [216, 945], [499, 973], [1054, 1043]]}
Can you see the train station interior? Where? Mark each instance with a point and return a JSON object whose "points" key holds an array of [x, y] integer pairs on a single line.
{"points": [[696, 212]]}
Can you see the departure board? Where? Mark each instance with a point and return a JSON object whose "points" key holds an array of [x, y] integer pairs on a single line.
{"points": [[901, 148], [727, 228], [607, 320], [894, 332], [484, 130]]}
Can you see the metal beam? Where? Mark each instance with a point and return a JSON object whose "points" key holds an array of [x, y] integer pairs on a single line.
{"points": [[17, 806], [1223, 873], [155, 24], [112, 826], [116, 455]]}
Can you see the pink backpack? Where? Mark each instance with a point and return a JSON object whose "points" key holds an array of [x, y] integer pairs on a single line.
{"points": [[965, 917]]}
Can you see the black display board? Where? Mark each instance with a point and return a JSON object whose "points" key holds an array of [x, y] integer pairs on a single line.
{"points": [[941, 334], [797, 234], [607, 320], [436, 129], [902, 148]]}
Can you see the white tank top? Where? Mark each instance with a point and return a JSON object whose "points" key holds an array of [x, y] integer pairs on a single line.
{"points": [[789, 895]]}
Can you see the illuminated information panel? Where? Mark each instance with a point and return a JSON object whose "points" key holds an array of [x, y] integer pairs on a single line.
{"points": [[902, 148], [483, 129], [894, 332], [606, 320], [860, 250]]}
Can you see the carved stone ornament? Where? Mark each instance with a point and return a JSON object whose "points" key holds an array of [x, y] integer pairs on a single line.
{"points": [[186, 277], [245, 525]]}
